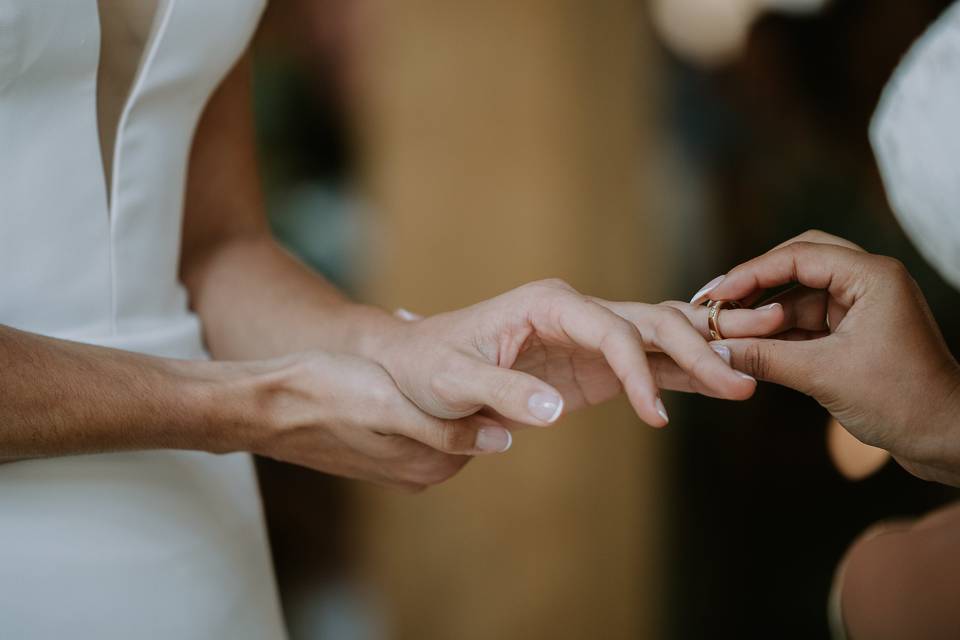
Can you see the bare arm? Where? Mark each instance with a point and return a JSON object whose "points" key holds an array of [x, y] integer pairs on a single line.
{"points": [[338, 414], [59, 397], [256, 300], [332, 412]]}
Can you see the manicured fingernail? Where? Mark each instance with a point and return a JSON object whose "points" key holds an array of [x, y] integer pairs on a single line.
{"points": [[769, 307], [722, 351], [662, 410], [494, 439], [746, 376], [545, 406], [408, 316], [707, 288]]}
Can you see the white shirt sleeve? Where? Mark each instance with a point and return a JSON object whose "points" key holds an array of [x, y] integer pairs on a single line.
{"points": [[916, 138]]}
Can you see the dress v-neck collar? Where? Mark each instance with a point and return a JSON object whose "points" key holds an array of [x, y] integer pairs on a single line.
{"points": [[158, 29]]}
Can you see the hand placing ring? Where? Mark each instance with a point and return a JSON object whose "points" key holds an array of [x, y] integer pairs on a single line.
{"points": [[713, 316]]}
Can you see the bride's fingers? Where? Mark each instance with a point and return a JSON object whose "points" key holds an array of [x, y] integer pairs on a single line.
{"points": [[735, 323], [669, 376], [666, 330], [596, 328]]}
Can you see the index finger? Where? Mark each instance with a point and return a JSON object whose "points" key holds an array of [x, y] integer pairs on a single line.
{"points": [[594, 327], [818, 266]]}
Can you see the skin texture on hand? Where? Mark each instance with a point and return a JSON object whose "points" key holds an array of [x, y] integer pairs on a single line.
{"points": [[544, 349], [343, 415], [859, 337]]}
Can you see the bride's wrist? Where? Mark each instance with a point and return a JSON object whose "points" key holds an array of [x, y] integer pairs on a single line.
{"points": [[369, 331], [220, 404], [253, 404]]}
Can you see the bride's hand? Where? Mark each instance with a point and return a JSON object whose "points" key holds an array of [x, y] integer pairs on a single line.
{"points": [[859, 337], [343, 415], [543, 349]]}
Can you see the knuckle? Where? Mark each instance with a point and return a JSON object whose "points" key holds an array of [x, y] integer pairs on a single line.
{"points": [[702, 366], [548, 290], [756, 359], [456, 438], [382, 395], [891, 267], [814, 235], [554, 283], [800, 247], [620, 335], [502, 390], [668, 316], [306, 366], [434, 470], [626, 330], [442, 384]]}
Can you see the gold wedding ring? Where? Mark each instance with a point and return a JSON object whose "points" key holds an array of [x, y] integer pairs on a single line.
{"points": [[714, 307]]}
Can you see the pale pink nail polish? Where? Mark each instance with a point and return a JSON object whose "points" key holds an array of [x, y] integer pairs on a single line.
{"points": [[493, 439], [406, 315], [545, 406], [769, 307], [722, 351], [746, 376], [699, 296], [662, 410]]}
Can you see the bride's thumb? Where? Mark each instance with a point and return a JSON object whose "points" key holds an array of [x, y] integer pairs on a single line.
{"points": [[516, 395]]}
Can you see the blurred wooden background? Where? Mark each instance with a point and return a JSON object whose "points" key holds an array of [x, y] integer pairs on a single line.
{"points": [[505, 142]]}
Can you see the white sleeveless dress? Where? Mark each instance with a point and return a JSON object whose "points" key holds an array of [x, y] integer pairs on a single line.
{"points": [[160, 544]]}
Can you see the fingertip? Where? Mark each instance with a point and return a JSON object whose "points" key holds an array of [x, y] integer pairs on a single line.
{"points": [[652, 411], [745, 388], [493, 439], [736, 385], [723, 351], [706, 289], [647, 404], [775, 314], [546, 406], [662, 411]]}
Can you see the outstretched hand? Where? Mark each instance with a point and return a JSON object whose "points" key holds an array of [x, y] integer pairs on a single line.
{"points": [[544, 349], [858, 336]]}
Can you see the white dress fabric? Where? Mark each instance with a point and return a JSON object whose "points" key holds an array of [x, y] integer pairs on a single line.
{"points": [[916, 137], [157, 544]]}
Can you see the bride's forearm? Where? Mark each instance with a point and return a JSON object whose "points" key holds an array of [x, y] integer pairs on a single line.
{"points": [[60, 398], [258, 301]]}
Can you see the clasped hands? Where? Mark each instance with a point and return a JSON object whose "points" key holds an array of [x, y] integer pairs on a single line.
{"points": [[416, 399]]}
